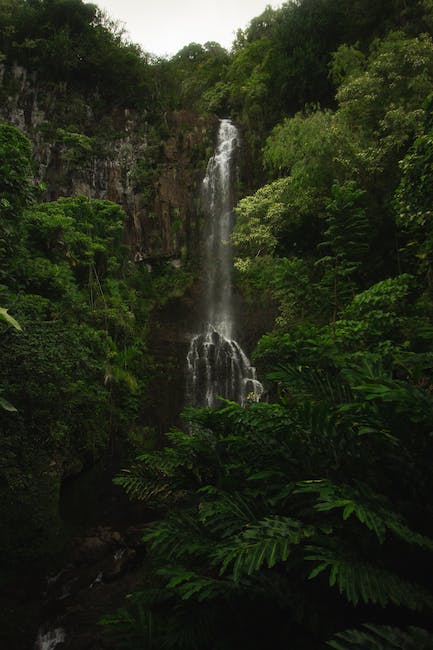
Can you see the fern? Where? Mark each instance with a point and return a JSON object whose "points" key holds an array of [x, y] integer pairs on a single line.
{"points": [[265, 543], [132, 628], [317, 420], [226, 513], [191, 625], [369, 508], [177, 537], [191, 445], [161, 476], [139, 486], [382, 637], [189, 584], [361, 581], [312, 383], [242, 526]]}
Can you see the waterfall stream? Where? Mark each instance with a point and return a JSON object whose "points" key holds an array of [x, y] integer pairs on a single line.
{"points": [[217, 365], [49, 639]]}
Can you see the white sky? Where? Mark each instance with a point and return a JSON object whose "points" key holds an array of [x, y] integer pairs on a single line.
{"points": [[163, 27]]}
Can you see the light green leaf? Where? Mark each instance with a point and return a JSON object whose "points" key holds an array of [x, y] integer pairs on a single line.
{"points": [[9, 319], [7, 406]]}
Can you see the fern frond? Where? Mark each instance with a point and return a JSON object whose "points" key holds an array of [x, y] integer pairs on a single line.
{"points": [[142, 488], [167, 474], [198, 441], [370, 509], [361, 581], [399, 528], [191, 625], [131, 628], [189, 584], [149, 597], [188, 625], [177, 537], [313, 383], [226, 513], [267, 542], [317, 420], [382, 637]]}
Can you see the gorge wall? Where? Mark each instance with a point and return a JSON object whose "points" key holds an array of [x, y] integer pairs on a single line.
{"points": [[153, 170]]}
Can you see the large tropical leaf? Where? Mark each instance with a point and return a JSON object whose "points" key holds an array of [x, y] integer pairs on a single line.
{"points": [[261, 544], [382, 637], [361, 581], [370, 509]]}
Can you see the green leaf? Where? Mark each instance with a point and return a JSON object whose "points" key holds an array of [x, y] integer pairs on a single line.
{"points": [[9, 319], [382, 637], [359, 581], [4, 404], [266, 542]]}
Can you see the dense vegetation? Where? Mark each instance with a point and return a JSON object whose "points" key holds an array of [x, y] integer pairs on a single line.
{"points": [[74, 378], [74, 46], [298, 522], [307, 519]]}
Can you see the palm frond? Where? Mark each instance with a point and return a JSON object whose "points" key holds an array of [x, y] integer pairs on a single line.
{"points": [[132, 627], [382, 637], [264, 543], [189, 584], [312, 383], [361, 581], [225, 514], [138, 485], [192, 625], [177, 537], [370, 509]]}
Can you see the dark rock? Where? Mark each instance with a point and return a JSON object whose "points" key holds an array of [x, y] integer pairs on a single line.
{"points": [[100, 543], [90, 550], [134, 537], [122, 563]]}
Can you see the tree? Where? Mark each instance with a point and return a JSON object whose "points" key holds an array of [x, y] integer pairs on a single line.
{"points": [[16, 189], [382, 106], [413, 200], [347, 234]]}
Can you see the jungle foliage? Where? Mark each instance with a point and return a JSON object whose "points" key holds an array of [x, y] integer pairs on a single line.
{"points": [[300, 522], [74, 44], [282, 523], [75, 378], [305, 521]]}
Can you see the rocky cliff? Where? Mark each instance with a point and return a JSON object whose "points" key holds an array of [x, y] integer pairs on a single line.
{"points": [[153, 170]]}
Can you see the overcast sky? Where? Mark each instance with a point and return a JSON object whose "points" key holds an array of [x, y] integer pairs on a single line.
{"points": [[163, 27]]}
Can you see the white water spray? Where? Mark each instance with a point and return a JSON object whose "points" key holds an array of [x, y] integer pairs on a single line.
{"points": [[50, 639], [217, 365]]}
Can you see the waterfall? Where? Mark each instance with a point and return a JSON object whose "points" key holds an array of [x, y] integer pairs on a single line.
{"points": [[217, 365], [49, 639]]}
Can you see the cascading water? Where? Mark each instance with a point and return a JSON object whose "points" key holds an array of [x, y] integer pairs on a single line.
{"points": [[217, 366], [50, 639]]}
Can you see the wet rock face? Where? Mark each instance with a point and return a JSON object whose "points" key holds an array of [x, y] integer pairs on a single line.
{"points": [[171, 228], [92, 549], [104, 565], [153, 171]]}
